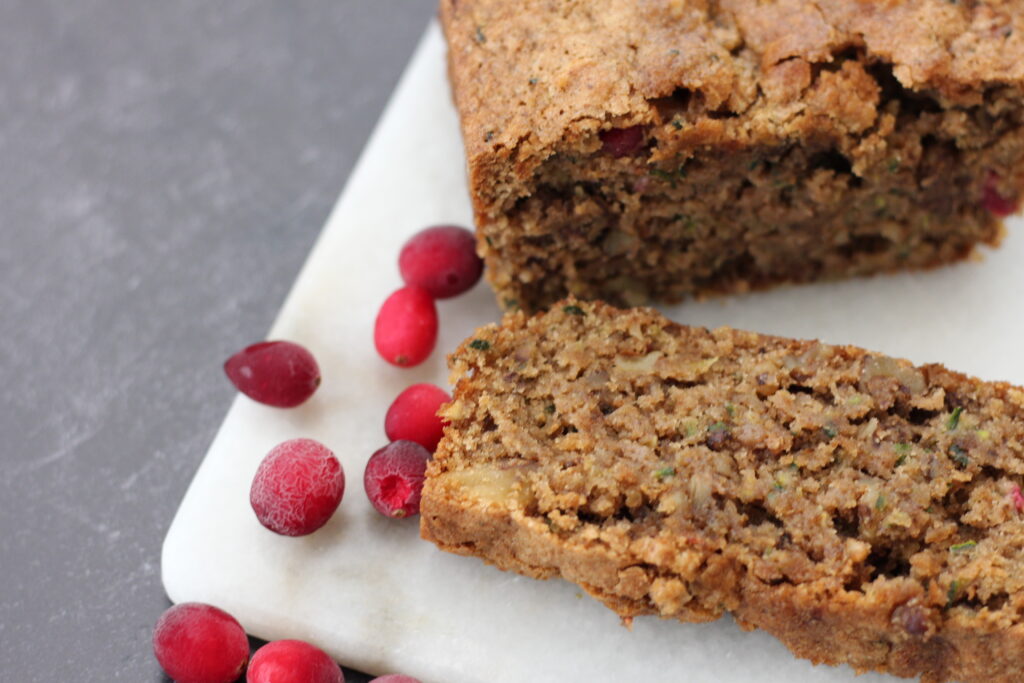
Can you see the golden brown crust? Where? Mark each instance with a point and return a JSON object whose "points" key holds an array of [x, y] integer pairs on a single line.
{"points": [[865, 133], [861, 509], [527, 74]]}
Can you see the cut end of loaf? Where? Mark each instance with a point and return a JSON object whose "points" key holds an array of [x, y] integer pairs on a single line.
{"points": [[688, 149], [860, 508]]}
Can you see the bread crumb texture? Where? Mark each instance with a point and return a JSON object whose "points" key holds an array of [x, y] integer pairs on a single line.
{"points": [[862, 509], [777, 141]]}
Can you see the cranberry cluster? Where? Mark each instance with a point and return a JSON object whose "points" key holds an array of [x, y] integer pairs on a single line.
{"points": [[300, 483], [198, 643], [437, 263]]}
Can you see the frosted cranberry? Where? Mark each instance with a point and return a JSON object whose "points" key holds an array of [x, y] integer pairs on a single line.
{"points": [[406, 328], [395, 678], [278, 373], [394, 478], [293, 661], [413, 415], [297, 487], [621, 142], [441, 260], [995, 202], [197, 643]]}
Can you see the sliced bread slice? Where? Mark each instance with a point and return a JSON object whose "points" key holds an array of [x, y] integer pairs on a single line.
{"points": [[861, 509]]}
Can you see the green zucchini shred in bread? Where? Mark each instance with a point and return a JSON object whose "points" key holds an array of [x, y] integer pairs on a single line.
{"points": [[779, 141], [861, 509]]}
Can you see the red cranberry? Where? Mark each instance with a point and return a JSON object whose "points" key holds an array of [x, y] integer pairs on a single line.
{"points": [[995, 202], [441, 260], [1017, 498], [197, 643], [277, 373], [395, 678], [621, 142], [413, 415], [293, 661], [297, 487], [394, 478], [406, 327]]}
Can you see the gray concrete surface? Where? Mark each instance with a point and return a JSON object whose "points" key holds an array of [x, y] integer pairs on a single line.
{"points": [[164, 169]]}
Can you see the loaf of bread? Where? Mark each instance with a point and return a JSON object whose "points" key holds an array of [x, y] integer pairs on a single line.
{"points": [[631, 150], [861, 509]]}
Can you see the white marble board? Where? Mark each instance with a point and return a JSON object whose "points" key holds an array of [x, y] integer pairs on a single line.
{"points": [[379, 599]]}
